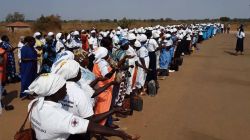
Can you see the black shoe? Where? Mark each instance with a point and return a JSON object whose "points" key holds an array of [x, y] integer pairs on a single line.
{"points": [[9, 107], [4, 93]]}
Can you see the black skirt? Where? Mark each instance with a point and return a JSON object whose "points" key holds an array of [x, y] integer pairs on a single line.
{"points": [[239, 45], [152, 75]]}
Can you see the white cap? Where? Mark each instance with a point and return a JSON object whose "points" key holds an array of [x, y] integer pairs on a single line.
{"points": [[168, 42], [137, 44], [50, 33], [143, 38], [131, 36], [118, 32], [58, 36], [83, 31], [167, 35], [36, 34], [155, 34], [68, 37], [75, 33], [93, 31]]}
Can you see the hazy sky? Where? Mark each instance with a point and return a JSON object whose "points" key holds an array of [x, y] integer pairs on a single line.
{"points": [[111, 9]]}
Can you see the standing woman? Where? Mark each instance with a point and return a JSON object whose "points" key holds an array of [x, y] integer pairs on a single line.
{"points": [[240, 41], [103, 69], [28, 64], [11, 68]]}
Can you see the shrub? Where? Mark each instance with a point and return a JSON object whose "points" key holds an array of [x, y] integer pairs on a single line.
{"points": [[48, 23]]}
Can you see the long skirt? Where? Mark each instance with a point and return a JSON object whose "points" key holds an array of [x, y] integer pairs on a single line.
{"points": [[239, 45], [152, 65]]}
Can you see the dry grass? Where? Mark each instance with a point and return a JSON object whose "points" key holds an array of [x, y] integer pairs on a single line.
{"points": [[69, 26]]}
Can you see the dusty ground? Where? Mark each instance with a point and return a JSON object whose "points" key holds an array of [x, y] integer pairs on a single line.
{"points": [[208, 99]]}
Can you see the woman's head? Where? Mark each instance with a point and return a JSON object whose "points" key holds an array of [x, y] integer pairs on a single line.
{"points": [[68, 69], [124, 44], [5, 38], [48, 85], [30, 41], [101, 53], [81, 57], [107, 43]]}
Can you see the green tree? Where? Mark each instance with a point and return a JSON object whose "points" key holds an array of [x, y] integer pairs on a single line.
{"points": [[225, 19], [48, 23], [124, 23], [13, 17]]}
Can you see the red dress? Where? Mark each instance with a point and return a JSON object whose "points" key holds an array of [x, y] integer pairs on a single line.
{"points": [[85, 44]]}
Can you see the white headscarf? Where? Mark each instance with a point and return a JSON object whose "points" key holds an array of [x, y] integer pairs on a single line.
{"points": [[66, 55], [100, 53], [45, 85], [137, 44], [68, 69], [58, 36]]}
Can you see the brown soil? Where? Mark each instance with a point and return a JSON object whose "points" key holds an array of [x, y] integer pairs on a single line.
{"points": [[208, 99]]}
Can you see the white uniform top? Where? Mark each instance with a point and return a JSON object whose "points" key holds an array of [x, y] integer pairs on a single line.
{"points": [[59, 45], [54, 123], [20, 45], [151, 45], [77, 101], [132, 53], [189, 37], [87, 89], [222, 26], [93, 41], [143, 53], [103, 66], [241, 35]]}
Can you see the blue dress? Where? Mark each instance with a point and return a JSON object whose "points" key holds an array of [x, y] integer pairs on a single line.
{"points": [[11, 68], [28, 68], [165, 59]]}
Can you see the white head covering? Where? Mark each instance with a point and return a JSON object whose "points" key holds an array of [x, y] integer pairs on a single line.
{"points": [[66, 55], [68, 69], [118, 32], [50, 34], [100, 53], [45, 85], [36, 34], [58, 36], [131, 36], [155, 34], [93, 31], [75, 33], [168, 42], [137, 44], [167, 35], [143, 38]]}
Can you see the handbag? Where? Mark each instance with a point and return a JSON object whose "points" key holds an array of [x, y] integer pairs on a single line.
{"points": [[26, 134]]}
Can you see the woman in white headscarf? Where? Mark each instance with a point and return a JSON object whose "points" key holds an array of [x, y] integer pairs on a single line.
{"points": [[50, 121], [103, 69]]}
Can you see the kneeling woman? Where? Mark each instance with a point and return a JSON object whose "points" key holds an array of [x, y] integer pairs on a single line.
{"points": [[50, 121]]}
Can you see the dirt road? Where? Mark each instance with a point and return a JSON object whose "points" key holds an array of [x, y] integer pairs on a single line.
{"points": [[208, 99]]}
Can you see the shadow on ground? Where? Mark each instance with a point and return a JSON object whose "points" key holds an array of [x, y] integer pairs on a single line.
{"points": [[10, 97]]}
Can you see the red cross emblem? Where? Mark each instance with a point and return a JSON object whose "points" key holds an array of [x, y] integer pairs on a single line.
{"points": [[74, 122]]}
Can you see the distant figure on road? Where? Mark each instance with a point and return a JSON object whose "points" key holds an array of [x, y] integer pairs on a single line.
{"points": [[240, 41], [228, 28]]}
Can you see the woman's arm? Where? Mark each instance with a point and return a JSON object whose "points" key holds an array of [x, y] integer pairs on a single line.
{"points": [[101, 89]]}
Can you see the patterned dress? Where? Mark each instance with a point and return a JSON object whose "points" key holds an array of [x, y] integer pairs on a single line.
{"points": [[11, 68]]}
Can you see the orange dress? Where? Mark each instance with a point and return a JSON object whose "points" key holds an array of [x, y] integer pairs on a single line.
{"points": [[3, 64], [85, 44], [103, 101]]}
